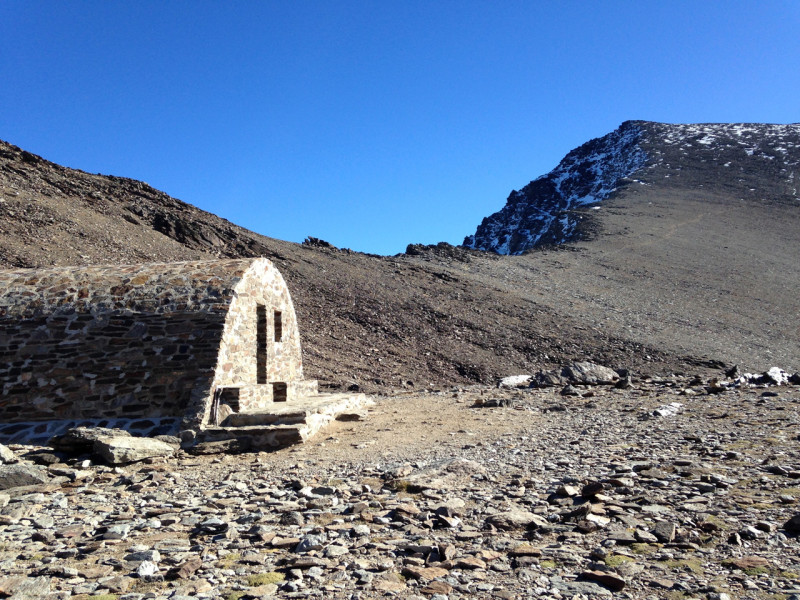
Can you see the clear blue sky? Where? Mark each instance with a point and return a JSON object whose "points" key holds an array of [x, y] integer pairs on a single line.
{"points": [[373, 124]]}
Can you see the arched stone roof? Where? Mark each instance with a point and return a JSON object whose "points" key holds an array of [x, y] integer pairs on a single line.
{"points": [[148, 340]]}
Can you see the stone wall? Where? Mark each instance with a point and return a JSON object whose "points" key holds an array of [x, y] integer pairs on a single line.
{"points": [[152, 340]]}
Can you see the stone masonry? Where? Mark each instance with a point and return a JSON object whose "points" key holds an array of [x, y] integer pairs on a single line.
{"points": [[154, 341]]}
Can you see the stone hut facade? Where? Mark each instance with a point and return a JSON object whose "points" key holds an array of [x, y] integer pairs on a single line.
{"points": [[177, 340]]}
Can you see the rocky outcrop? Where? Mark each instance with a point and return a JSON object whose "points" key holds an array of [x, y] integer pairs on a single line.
{"points": [[119, 219], [579, 373], [540, 213]]}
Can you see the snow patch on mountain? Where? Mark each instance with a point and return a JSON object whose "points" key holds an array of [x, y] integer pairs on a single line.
{"points": [[544, 211], [762, 140], [541, 211]]}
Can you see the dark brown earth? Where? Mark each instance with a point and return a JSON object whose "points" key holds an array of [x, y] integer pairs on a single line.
{"points": [[672, 280]]}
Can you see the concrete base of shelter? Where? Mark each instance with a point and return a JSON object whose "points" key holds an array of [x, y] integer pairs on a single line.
{"points": [[283, 424], [38, 433], [278, 425]]}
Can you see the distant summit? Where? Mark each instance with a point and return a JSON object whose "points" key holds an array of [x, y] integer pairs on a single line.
{"points": [[746, 160]]}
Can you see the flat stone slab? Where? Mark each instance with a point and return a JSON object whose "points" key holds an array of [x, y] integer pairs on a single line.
{"points": [[120, 450], [326, 406], [18, 475], [284, 424]]}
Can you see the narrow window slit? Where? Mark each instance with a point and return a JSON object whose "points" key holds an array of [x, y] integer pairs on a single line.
{"points": [[278, 326], [261, 344], [279, 392]]}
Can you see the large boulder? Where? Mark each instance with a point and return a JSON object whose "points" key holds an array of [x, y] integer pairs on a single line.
{"points": [[793, 525], [122, 449], [80, 440], [579, 373], [588, 373], [515, 381]]}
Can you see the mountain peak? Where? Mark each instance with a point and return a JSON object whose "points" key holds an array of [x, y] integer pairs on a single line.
{"points": [[549, 210]]}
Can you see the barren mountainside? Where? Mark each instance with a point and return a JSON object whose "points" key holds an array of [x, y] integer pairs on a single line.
{"points": [[692, 259]]}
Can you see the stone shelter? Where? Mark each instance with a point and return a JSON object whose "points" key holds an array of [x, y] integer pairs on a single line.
{"points": [[159, 346]]}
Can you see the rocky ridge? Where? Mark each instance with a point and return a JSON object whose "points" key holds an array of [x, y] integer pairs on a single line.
{"points": [[551, 210]]}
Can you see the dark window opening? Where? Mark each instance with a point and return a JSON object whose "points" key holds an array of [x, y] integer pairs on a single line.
{"points": [[261, 344], [278, 326], [279, 392], [229, 396]]}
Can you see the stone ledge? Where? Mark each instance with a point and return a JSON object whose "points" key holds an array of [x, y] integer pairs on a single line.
{"points": [[286, 424]]}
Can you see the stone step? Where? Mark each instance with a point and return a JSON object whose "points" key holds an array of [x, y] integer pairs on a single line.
{"points": [[249, 438], [247, 419], [307, 410], [283, 424]]}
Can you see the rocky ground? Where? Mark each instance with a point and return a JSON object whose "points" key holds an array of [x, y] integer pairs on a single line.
{"points": [[659, 488]]}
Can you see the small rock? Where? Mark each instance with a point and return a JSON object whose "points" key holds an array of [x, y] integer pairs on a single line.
{"points": [[147, 570], [608, 579], [7, 457], [515, 381], [567, 490], [188, 568], [517, 518], [437, 587], [469, 562], [335, 550], [117, 532], [664, 531], [261, 591], [145, 555], [748, 562], [424, 573], [310, 542], [749, 533], [592, 489], [645, 536], [306, 562], [668, 410], [213, 526], [525, 550]]}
